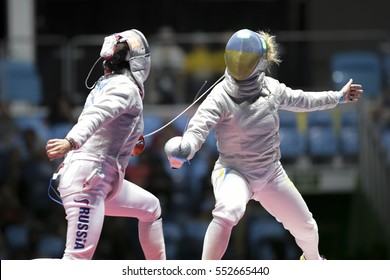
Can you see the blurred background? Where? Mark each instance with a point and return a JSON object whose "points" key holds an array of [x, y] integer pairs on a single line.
{"points": [[338, 159]]}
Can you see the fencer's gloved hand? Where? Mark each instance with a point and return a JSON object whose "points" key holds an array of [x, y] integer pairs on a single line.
{"points": [[351, 92], [177, 151]]}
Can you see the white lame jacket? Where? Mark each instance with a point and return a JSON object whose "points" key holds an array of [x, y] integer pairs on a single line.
{"points": [[247, 126], [111, 121]]}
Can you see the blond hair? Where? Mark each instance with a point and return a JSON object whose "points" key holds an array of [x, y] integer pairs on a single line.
{"points": [[272, 47]]}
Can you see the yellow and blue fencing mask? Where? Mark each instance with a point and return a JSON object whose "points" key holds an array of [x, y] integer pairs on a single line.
{"points": [[244, 52]]}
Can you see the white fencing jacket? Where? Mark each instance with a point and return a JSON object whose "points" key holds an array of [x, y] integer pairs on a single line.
{"points": [[244, 116], [111, 121]]}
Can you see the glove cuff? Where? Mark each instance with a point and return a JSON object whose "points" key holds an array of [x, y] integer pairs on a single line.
{"points": [[342, 98]]}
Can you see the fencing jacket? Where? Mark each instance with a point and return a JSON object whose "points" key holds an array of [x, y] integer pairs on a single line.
{"points": [[245, 119], [111, 121]]}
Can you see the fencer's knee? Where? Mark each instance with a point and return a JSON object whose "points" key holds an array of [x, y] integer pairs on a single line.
{"points": [[157, 209], [154, 211], [228, 216], [306, 231], [311, 228]]}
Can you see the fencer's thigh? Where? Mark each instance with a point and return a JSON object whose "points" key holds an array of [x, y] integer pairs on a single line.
{"points": [[133, 201], [85, 215], [232, 194], [282, 200], [83, 193]]}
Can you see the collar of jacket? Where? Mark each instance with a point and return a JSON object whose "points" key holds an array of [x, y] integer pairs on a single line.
{"points": [[253, 86]]}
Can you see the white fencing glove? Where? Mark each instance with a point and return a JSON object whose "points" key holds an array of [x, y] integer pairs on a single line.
{"points": [[177, 151]]}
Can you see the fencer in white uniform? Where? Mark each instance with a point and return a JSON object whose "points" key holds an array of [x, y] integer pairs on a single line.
{"points": [[243, 111], [98, 148]]}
